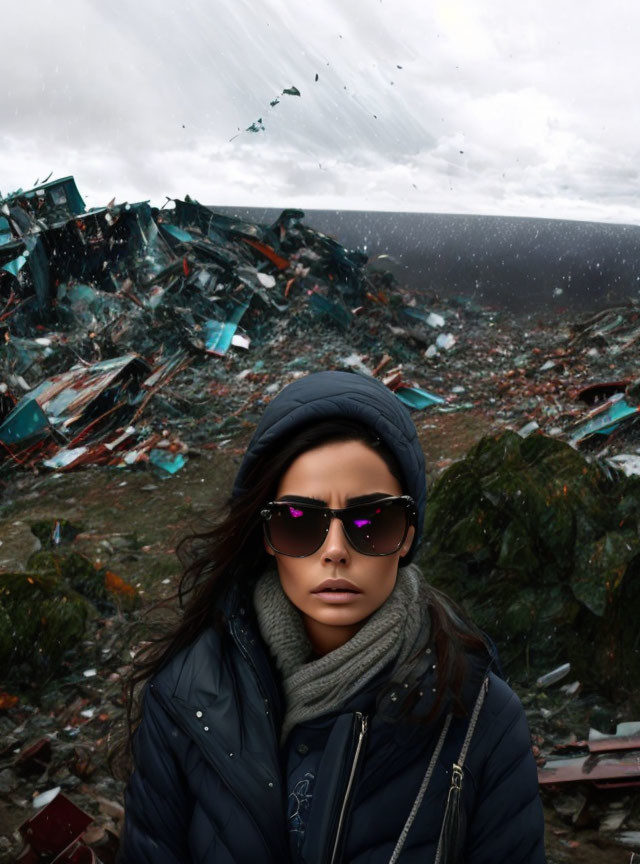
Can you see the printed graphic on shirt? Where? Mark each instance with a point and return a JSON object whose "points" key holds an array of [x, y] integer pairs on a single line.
{"points": [[299, 806]]}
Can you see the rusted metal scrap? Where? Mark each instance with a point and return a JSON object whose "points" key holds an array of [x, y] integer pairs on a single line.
{"points": [[608, 763], [84, 415]]}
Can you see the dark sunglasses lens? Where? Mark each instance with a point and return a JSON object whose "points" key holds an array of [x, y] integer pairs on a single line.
{"points": [[295, 529], [378, 528]]}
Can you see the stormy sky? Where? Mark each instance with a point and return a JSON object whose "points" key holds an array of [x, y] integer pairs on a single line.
{"points": [[526, 108]]}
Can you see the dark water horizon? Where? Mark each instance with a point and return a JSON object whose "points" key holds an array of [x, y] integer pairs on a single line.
{"points": [[525, 264]]}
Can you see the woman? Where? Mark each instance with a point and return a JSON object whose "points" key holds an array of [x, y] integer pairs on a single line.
{"points": [[320, 702]]}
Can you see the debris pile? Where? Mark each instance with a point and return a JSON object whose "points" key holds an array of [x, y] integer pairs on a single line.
{"points": [[58, 795], [127, 329], [64, 649], [588, 778], [127, 297]]}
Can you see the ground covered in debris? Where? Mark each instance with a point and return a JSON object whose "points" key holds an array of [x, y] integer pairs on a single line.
{"points": [[139, 349]]}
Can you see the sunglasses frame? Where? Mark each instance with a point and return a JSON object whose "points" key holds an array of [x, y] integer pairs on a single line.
{"points": [[407, 501]]}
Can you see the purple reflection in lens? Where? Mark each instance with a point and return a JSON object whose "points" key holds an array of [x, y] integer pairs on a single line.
{"points": [[295, 513], [360, 523]]}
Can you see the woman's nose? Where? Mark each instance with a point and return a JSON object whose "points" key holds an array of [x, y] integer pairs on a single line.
{"points": [[335, 548]]}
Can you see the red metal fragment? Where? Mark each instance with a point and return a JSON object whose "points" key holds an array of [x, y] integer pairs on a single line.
{"points": [[280, 262], [55, 832], [602, 391]]}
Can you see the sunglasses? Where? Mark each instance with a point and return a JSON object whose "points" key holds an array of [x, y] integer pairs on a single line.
{"points": [[377, 528]]}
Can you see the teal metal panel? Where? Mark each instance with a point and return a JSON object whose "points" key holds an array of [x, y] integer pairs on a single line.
{"points": [[27, 420], [218, 334], [169, 462], [5, 231], [55, 189], [415, 397], [15, 266], [605, 421], [178, 233]]}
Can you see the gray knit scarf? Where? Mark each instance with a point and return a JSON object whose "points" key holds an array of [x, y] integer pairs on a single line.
{"points": [[391, 636]]}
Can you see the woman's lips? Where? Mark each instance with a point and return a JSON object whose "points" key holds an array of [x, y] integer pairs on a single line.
{"points": [[337, 597], [337, 591]]}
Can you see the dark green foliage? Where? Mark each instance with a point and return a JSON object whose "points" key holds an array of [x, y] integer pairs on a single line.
{"points": [[41, 621], [79, 573], [540, 546], [44, 612]]}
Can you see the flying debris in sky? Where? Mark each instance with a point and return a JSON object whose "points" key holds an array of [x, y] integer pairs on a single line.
{"points": [[45, 179], [258, 125]]}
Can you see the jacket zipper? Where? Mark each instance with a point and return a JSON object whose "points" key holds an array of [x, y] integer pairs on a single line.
{"points": [[362, 722]]}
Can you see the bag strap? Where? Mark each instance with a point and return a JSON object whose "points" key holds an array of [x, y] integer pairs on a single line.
{"points": [[484, 687], [421, 792], [449, 832], [456, 776]]}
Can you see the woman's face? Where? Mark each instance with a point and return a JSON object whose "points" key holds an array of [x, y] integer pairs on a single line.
{"points": [[334, 474]]}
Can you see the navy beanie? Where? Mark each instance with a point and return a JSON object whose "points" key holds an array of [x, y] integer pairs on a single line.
{"points": [[347, 395]]}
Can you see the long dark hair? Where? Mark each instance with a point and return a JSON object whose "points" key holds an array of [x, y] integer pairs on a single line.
{"points": [[232, 553]]}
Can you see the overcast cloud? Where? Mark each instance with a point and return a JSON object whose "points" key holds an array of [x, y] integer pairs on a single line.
{"points": [[526, 109]]}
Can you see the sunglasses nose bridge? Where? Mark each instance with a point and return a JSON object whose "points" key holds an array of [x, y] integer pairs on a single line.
{"points": [[329, 536]]}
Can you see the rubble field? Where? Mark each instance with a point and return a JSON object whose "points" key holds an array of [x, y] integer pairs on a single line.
{"points": [[138, 349]]}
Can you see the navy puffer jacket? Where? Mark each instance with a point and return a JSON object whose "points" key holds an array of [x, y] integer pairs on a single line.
{"points": [[210, 786]]}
